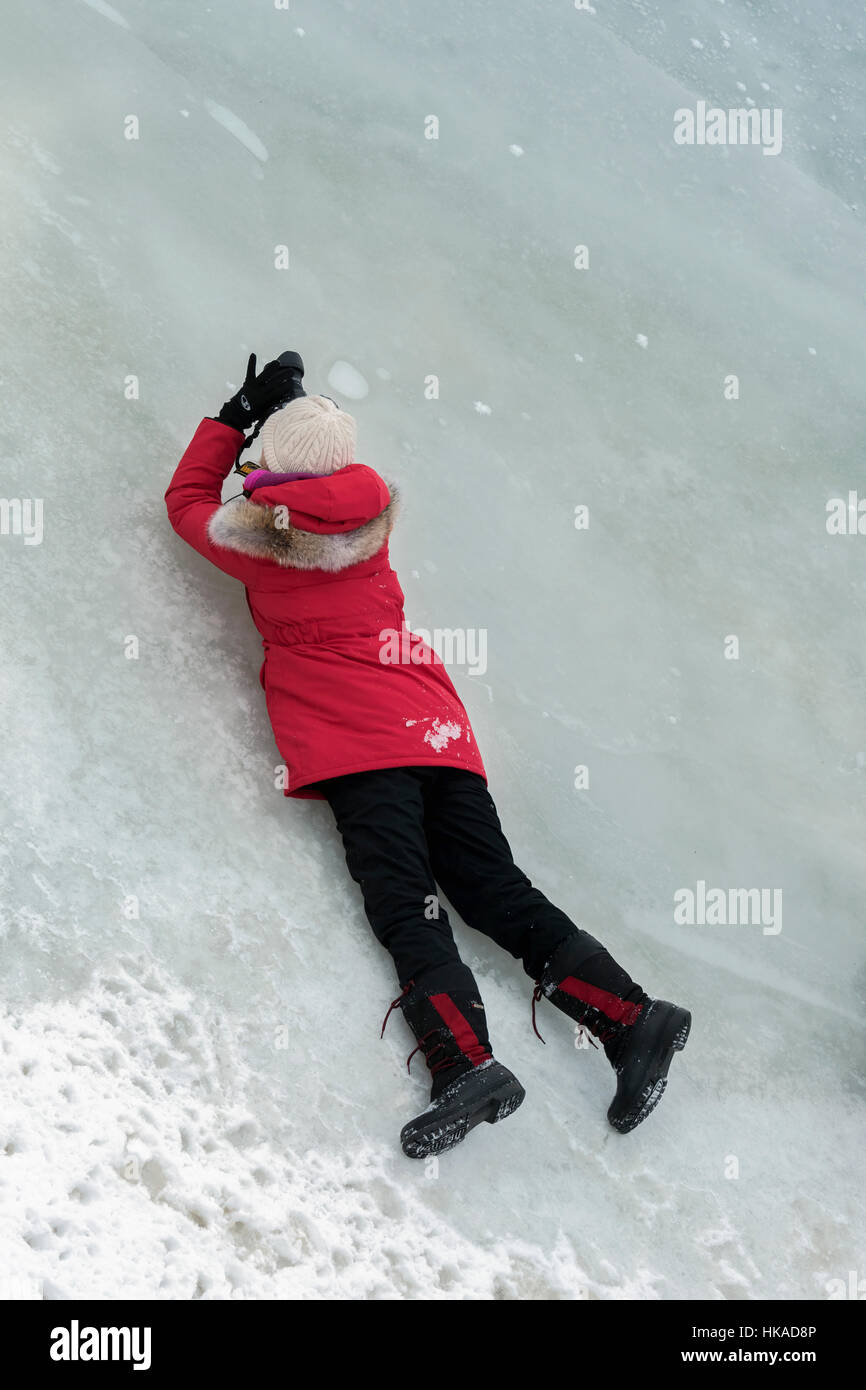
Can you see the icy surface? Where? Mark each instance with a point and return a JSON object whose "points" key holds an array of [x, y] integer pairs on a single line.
{"points": [[194, 1101], [348, 381]]}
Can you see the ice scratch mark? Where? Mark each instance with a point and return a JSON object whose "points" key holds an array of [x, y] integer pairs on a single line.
{"points": [[107, 12], [236, 127]]}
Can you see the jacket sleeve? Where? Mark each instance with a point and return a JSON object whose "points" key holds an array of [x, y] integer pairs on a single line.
{"points": [[195, 493]]}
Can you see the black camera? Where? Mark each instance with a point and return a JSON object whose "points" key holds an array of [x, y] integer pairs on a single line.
{"points": [[293, 362]]}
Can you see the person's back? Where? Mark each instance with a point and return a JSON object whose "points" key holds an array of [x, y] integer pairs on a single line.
{"points": [[348, 688]]}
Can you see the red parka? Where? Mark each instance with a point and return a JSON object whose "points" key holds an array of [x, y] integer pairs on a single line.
{"points": [[348, 688]]}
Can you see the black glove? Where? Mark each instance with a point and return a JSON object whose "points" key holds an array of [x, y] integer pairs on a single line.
{"points": [[260, 395]]}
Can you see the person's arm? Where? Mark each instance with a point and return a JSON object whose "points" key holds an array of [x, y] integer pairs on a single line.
{"points": [[195, 491]]}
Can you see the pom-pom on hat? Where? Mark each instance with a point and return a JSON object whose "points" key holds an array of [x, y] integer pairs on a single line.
{"points": [[311, 435]]}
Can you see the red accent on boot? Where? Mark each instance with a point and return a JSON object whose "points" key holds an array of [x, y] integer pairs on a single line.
{"points": [[466, 1040], [616, 1009]]}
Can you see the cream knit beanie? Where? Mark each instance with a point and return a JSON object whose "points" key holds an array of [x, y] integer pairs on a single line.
{"points": [[310, 435]]}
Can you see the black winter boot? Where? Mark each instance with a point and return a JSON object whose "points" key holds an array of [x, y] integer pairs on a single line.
{"points": [[447, 1017], [639, 1035]]}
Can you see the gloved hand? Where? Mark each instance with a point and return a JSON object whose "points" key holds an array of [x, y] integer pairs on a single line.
{"points": [[259, 395]]}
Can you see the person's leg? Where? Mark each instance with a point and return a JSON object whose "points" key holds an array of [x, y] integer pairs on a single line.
{"points": [[380, 816], [472, 861]]}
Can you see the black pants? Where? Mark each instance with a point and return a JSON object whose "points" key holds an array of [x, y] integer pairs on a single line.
{"points": [[405, 830]]}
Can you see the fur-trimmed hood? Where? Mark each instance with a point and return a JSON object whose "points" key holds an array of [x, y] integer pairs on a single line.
{"points": [[327, 523]]}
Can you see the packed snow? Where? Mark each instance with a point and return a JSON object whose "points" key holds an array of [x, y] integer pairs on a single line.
{"points": [[194, 1099], [440, 734]]}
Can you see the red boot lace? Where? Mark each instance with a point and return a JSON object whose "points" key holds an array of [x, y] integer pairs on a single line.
{"points": [[395, 1003], [537, 993], [428, 1052], [441, 1065]]}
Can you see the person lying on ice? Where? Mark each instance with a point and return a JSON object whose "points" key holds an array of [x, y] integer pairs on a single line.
{"points": [[390, 747]]}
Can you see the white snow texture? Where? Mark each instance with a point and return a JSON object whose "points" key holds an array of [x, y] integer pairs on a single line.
{"points": [[194, 1100]]}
